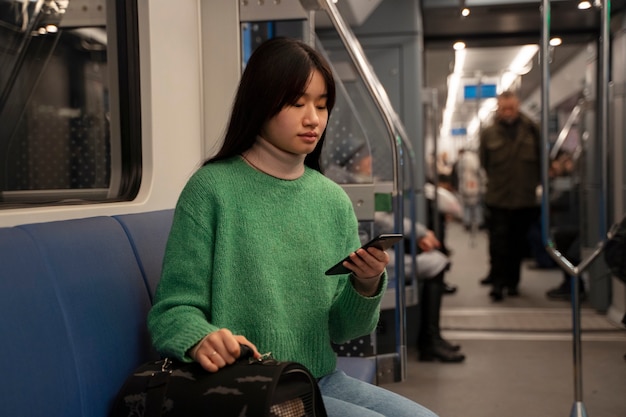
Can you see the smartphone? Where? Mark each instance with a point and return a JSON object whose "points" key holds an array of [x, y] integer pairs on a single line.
{"points": [[382, 242]]}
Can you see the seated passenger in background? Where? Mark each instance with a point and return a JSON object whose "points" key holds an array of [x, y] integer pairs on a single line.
{"points": [[448, 208], [350, 162], [255, 229], [431, 267]]}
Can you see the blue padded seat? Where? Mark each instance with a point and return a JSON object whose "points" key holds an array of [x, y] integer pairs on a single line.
{"points": [[148, 233], [36, 354], [103, 300]]}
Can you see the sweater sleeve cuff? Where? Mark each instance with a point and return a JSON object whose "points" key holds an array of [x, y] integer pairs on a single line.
{"points": [[382, 285]]}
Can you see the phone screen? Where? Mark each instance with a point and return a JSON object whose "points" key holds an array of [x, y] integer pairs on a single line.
{"points": [[382, 242]]}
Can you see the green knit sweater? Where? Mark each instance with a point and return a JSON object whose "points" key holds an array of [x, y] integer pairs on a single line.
{"points": [[248, 252]]}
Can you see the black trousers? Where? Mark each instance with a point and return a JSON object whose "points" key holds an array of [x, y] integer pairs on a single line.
{"points": [[508, 243], [431, 293]]}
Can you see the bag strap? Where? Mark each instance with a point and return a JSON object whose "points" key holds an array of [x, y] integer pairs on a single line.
{"points": [[157, 389]]}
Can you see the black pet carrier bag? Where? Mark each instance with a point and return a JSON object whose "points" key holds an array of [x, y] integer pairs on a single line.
{"points": [[249, 387]]}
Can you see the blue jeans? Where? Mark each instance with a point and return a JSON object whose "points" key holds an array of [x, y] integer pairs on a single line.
{"points": [[345, 396]]}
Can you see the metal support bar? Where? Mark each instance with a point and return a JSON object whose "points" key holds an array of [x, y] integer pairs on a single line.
{"points": [[573, 117], [603, 111], [382, 102], [434, 103], [578, 408]]}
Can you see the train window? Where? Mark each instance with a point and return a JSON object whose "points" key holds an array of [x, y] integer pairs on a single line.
{"points": [[69, 102]]}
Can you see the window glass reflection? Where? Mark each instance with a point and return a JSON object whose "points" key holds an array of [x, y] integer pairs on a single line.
{"points": [[56, 141]]}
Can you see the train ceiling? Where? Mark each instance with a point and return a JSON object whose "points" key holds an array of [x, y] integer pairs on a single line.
{"points": [[494, 31]]}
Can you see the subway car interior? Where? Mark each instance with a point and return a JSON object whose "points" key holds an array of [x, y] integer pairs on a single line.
{"points": [[107, 107]]}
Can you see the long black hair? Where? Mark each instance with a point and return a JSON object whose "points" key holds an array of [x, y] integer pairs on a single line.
{"points": [[276, 75]]}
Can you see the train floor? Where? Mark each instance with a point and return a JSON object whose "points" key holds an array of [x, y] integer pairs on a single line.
{"points": [[519, 352]]}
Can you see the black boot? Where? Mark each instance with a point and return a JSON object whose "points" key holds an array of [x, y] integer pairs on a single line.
{"points": [[450, 346], [430, 343], [440, 353], [449, 288], [487, 280], [496, 293], [512, 292], [564, 291]]}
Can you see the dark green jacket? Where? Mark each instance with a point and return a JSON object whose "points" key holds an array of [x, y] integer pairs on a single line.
{"points": [[511, 159]]}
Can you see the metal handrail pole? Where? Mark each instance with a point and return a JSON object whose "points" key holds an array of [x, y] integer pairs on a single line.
{"points": [[381, 100], [603, 111], [571, 119], [413, 190], [434, 102], [545, 103], [578, 409]]}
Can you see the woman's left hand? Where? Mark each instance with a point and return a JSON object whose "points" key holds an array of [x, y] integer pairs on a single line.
{"points": [[367, 267]]}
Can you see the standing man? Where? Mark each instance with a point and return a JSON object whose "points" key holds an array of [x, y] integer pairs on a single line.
{"points": [[510, 155]]}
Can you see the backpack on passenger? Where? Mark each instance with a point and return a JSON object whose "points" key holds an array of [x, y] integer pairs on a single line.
{"points": [[249, 387]]}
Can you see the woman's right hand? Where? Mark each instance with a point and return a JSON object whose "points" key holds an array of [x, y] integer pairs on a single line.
{"points": [[220, 348]]}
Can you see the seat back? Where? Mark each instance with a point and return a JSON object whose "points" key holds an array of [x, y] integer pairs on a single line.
{"points": [[148, 233], [74, 306]]}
